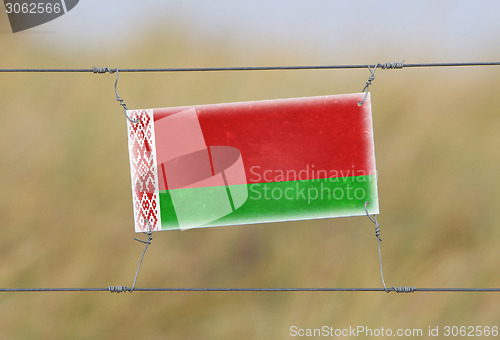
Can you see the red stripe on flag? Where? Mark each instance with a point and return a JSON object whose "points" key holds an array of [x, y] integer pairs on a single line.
{"points": [[292, 139]]}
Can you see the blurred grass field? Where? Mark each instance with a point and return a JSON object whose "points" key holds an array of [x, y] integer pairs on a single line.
{"points": [[66, 210]]}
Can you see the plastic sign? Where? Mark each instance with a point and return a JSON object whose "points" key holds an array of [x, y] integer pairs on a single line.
{"points": [[252, 162]]}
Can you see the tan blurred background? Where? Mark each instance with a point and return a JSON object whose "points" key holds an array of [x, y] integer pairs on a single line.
{"points": [[66, 210]]}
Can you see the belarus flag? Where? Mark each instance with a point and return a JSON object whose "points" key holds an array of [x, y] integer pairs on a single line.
{"points": [[252, 162]]}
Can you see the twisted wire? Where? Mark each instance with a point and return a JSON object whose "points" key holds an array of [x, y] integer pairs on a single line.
{"points": [[147, 242], [368, 83], [392, 66], [377, 234], [118, 289], [379, 239], [118, 99], [404, 289]]}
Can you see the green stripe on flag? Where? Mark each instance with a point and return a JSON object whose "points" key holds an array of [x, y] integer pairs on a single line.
{"points": [[288, 201], [167, 212]]}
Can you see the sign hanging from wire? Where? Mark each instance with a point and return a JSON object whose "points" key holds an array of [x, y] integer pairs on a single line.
{"points": [[252, 162]]}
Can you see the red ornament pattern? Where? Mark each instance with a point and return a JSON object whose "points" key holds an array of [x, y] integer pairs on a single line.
{"points": [[141, 141]]}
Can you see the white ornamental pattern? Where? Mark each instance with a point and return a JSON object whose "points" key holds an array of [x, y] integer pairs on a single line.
{"points": [[141, 146]]}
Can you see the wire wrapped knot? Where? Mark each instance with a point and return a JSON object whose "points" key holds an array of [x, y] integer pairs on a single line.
{"points": [[385, 66], [370, 79], [374, 220], [103, 70], [118, 289], [392, 66], [368, 83], [403, 289]]}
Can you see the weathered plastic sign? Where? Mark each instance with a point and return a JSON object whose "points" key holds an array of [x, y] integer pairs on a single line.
{"points": [[252, 162]]}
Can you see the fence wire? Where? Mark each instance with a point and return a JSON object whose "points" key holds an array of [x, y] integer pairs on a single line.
{"points": [[397, 65], [124, 289]]}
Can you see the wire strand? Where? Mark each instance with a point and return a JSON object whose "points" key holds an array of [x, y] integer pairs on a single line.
{"points": [[119, 289], [173, 289], [147, 243], [247, 68]]}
